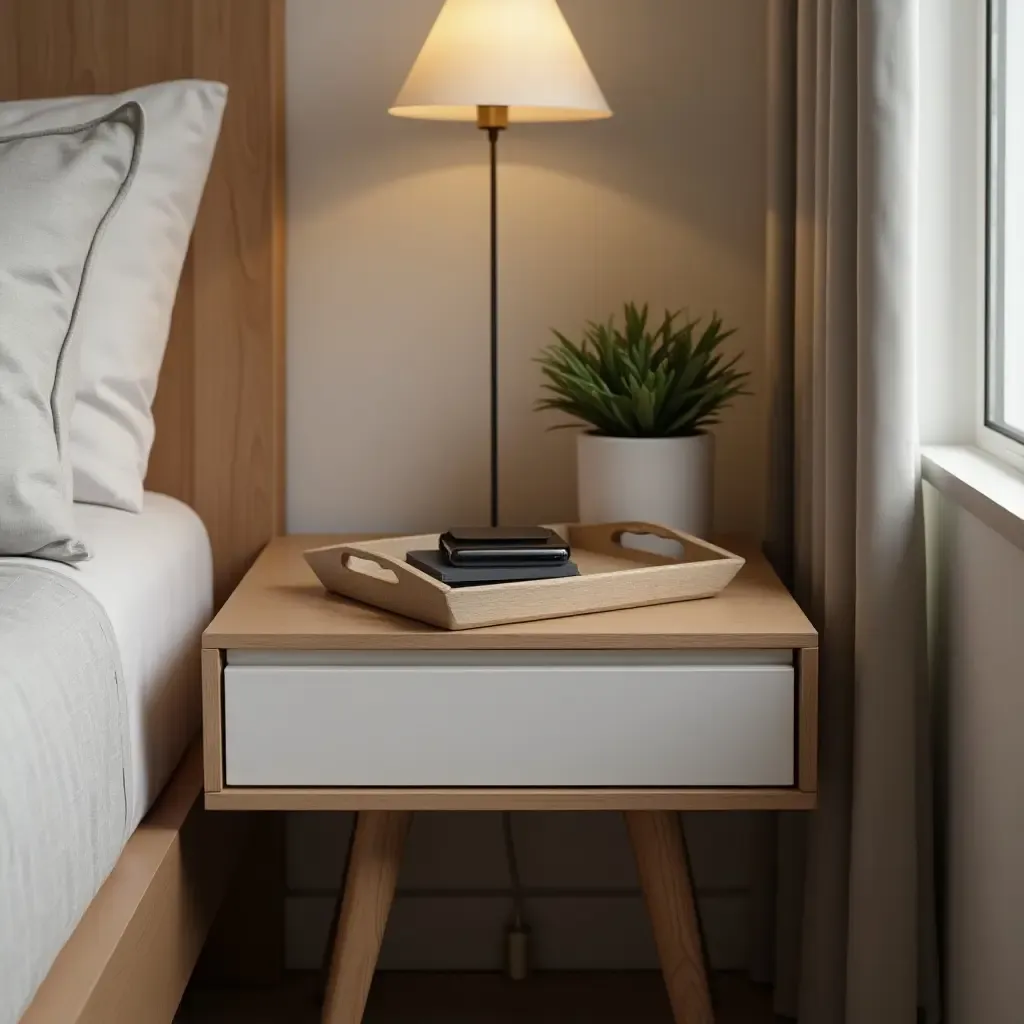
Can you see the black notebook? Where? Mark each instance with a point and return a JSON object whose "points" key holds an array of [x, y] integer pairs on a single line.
{"points": [[433, 563]]}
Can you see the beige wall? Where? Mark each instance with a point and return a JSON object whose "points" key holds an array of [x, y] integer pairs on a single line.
{"points": [[388, 301], [387, 381]]}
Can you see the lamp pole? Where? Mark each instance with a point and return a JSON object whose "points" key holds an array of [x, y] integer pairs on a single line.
{"points": [[494, 120]]}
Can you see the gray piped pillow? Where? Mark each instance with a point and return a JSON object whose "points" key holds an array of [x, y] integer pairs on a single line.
{"points": [[58, 189]]}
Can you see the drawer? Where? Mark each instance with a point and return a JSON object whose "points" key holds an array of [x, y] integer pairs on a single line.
{"points": [[501, 721]]}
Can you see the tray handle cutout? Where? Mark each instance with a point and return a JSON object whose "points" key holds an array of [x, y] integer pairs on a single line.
{"points": [[351, 563], [616, 531], [665, 543], [338, 567], [391, 571], [355, 570], [650, 537]]}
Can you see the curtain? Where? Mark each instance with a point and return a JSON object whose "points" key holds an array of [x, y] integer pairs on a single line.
{"points": [[851, 925]]}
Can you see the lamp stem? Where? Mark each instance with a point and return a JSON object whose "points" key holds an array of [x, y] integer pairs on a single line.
{"points": [[494, 120], [492, 135]]}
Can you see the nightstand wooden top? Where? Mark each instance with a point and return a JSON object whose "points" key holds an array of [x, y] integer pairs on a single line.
{"points": [[280, 605]]}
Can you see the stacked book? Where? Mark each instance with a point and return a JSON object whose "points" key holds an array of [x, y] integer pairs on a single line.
{"points": [[478, 557]]}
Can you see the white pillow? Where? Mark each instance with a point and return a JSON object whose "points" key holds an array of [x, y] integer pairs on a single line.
{"points": [[59, 188], [126, 313]]}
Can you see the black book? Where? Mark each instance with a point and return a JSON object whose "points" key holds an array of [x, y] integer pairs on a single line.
{"points": [[433, 563]]}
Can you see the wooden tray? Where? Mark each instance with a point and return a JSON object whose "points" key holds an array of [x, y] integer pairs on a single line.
{"points": [[611, 576]]}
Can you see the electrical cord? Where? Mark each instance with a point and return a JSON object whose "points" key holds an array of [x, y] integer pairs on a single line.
{"points": [[517, 938], [518, 903]]}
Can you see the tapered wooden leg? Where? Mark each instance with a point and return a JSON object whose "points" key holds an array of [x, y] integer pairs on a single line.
{"points": [[663, 865], [369, 890]]}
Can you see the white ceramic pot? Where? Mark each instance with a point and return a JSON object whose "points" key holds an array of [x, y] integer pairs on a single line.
{"points": [[665, 480]]}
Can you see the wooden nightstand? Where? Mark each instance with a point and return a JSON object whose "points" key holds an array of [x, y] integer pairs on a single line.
{"points": [[311, 702]]}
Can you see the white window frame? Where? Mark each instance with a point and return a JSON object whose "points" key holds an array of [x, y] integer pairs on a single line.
{"points": [[995, 441]]}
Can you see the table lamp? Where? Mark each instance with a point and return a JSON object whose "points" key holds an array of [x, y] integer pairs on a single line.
{"points": [[496, 63]]}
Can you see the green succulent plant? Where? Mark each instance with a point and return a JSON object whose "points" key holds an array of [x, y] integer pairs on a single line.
{"points": [[669, 381]]}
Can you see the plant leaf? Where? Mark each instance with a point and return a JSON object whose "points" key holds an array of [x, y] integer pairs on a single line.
{"points": [[642, 380]]}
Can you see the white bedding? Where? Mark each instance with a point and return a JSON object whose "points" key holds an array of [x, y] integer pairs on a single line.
{"points": [[65, 783], [99, 697], [153, 574]]}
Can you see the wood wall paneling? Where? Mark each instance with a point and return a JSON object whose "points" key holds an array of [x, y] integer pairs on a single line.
{"points": [[239, 409], [8, 51]]}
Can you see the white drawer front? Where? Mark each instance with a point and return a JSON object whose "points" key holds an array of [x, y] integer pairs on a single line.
{"points": [[652, 724]]}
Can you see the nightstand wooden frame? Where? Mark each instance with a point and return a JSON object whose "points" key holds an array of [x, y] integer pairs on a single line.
{"points": [[280, 607]]}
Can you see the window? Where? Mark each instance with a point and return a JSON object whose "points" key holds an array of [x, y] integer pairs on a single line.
{"points": [[1004, 356]]}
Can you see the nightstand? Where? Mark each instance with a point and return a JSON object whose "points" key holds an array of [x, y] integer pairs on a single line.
{"points": [[311, 702]]}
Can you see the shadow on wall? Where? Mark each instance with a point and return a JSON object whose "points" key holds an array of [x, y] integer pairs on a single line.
{"points": [[388, 249], [642, 160]]}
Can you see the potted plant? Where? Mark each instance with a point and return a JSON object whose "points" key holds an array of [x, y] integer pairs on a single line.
{"points": [[649, 396]]}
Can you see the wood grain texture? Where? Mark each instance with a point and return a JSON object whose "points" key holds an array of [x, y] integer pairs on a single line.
{"points": [[131, 955], [610, 577], [269, 798], [663, 866], [238, 241], [807, 719], [43, 49], [8, 50], [219, 407], [369, 891], [159, 40], [213, 721], [99, 44], [280, 605]]}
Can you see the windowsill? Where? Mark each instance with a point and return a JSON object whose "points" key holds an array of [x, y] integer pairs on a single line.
{"points": [[986, 487]]}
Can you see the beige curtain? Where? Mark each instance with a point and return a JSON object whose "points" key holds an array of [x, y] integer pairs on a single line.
{"points": [[852, 930]]}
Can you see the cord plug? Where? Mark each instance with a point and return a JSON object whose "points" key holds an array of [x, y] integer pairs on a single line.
{"points": [[517, 952]]}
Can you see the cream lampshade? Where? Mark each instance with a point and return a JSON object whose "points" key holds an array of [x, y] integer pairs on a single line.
{"points": [[519, 54]]}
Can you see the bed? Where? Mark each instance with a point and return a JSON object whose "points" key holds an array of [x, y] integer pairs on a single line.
{"points": [[84, 755], [214, 497]]}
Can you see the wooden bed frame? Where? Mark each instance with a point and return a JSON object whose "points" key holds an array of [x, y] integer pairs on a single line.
{"points": [[219, 441]]}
